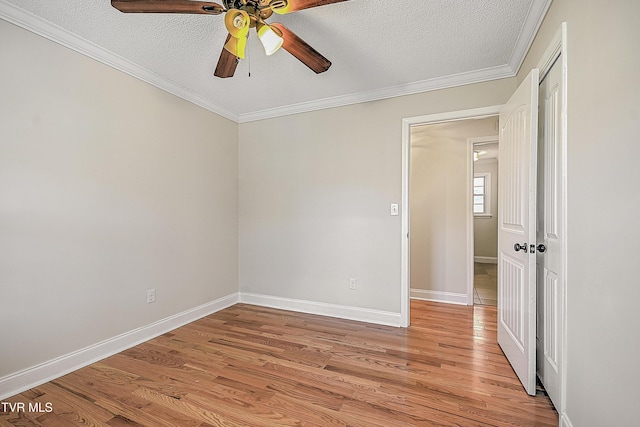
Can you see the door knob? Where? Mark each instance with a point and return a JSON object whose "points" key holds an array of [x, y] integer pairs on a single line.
{"points": [[541, 248], [518, 247]]}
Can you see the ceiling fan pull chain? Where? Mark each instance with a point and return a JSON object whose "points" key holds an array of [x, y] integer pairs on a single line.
{"points": [[249, 55]]}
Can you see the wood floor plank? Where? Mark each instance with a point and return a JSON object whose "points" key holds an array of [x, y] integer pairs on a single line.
{"points": [[259, 366]]}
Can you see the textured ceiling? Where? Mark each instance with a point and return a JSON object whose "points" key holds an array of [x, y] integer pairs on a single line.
{"points": [[379, 49]]}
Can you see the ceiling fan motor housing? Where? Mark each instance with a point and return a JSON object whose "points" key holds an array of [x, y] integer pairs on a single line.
{"points": [[256, 8]]}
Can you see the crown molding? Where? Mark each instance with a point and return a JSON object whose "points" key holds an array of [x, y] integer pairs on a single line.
{"points": [[14, 15], [532, 23], [445, 82]]}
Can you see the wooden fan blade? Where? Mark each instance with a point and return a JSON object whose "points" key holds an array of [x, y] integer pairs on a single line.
{"points": [[167, 6], [227, 63], [295, 5], [301, 50]]}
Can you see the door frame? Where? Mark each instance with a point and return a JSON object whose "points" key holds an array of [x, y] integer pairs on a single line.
{"points": [[407, 124], [557, 50]]}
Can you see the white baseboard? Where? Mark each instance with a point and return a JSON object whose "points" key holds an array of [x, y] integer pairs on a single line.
{"points": [[564, 421], [47, 371], [324, 309], [440, 296], [486, 259]]}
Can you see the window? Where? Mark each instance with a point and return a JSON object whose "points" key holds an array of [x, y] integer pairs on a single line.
{"points": [[481, 194]]}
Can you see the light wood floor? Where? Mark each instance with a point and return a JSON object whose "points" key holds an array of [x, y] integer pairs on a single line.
{"points": [[254, 366]]}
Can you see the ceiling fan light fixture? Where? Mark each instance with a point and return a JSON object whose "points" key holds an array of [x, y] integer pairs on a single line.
{"points": [[237, 23], [269, 39], [477, 154]]}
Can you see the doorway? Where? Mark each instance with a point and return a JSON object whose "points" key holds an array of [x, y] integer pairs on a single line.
{"points": [[441, 207], [407, 125]]}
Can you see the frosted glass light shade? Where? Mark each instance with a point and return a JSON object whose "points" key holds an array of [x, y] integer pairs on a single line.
{"points": [[270, 40]]}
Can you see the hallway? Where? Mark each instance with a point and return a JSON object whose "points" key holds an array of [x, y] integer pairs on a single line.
{"points": [[485, 284]]}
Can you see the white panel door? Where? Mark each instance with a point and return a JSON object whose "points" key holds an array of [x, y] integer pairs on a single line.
{"points": [[550, 233], [517, 230]]}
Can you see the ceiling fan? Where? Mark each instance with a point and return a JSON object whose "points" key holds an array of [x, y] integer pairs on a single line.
{"points": [[240, 16]]}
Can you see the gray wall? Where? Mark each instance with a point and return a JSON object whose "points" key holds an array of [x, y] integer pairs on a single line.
{"points": [[603, 182], [108, 187], [315, 190]]}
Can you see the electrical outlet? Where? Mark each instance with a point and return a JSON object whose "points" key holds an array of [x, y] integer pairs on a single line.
{"points": [[352, 284], [151, 296]]}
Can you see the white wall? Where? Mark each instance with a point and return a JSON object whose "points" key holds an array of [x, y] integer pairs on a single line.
{"points": [[108, 187], [603, 205], [315, 190], [439, 219]]}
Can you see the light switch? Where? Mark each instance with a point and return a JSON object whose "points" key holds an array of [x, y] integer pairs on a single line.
{"points": [[394, 209]]}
